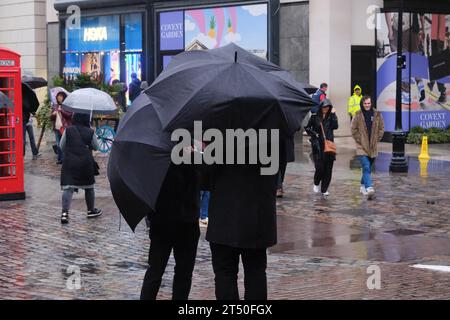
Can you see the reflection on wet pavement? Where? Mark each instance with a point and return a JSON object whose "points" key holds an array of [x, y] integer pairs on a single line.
{"points": [[313, 238]]}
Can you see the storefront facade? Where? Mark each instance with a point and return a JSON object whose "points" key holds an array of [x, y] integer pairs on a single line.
{"points": [[117, 38], [109, 44]]}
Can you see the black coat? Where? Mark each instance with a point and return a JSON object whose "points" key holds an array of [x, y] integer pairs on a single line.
{"points": [[78, 164], [179, 197], [134, 89], [314, 130], [242, 208]]}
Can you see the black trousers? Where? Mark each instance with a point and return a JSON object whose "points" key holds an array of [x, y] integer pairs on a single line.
{"points": [[183, 239], [324, 171], [281, 174], [225, 261]]}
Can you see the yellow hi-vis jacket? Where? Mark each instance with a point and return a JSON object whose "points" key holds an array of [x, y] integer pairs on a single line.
{"points": [[354, 102]]}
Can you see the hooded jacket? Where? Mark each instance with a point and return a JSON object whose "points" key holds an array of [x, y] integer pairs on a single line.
{"points": [[354, 102], [314, 130], [366, 145]]}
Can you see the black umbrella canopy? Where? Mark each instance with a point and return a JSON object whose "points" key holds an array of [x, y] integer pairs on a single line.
{"points": [[288, 77], [29, 99], [139, 160], [207, 89], [34, 82], [228, 53]]}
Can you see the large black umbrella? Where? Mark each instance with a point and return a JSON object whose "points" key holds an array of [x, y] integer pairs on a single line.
{"points": [[217, 84], [225, 53], [34, 82], [228, 53], [139, 160], [30, 101], [288, 77], [222, 93]]}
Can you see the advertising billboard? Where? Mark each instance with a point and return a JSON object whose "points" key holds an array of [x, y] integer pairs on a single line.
{"points": [[425, 80]]}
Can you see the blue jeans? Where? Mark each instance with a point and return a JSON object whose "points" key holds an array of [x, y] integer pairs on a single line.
{"points": [[204, 202], [366, 165], [29, 129]]}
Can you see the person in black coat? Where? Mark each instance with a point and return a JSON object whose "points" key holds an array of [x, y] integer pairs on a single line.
{"points": [[324, 116], [134, 88], [78, 168], [174, 226], [242, 224]]}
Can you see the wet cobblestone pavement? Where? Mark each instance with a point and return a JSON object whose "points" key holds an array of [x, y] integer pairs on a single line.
{"points": [[323, 252]]}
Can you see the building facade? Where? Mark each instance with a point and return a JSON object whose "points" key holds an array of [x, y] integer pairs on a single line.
{"points": [[341, 42]]}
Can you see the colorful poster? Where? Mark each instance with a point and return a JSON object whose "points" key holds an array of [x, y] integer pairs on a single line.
{"points": [[426, 76], [72, 66], [91, 64], [215, 27], [111, 67]]}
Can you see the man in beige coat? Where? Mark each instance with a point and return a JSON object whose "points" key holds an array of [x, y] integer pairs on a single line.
{"points": [[367, 130]]}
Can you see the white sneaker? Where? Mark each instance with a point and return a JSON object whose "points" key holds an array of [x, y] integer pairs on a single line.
{"points": [[203, 222], [370, 193], [316, 189], [363, 190], [325, 195]]}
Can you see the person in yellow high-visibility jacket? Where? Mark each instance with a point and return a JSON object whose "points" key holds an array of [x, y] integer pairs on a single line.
{"points": [[354, 102]]}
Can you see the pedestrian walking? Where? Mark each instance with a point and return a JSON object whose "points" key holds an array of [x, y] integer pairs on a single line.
{"points": [[30, 105], [79, 167], [320, 94], [321, 128], [174, 226], [354, 102], [288, 149], [367, 130], [61, 119], [134, 88]]}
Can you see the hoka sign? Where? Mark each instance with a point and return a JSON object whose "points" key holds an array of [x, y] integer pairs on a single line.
{"points": [[95, 34]]}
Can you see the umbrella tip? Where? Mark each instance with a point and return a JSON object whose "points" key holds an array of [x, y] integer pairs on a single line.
{"points": [[235, 56]]}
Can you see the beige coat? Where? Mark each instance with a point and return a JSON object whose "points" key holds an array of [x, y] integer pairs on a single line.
{"points": [[364, 147]]}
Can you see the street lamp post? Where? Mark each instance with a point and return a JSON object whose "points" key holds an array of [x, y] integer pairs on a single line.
{"points": [[398, 161]]}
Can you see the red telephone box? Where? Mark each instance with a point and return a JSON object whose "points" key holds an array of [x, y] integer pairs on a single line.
{"points": [[11, 131]]}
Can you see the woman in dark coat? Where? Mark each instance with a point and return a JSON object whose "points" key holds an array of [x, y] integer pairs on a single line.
{"points": [[78, 167], [325, 114]]}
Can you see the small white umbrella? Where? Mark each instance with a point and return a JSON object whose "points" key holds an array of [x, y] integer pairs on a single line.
{"points": [[89, 101], [54, 92]]}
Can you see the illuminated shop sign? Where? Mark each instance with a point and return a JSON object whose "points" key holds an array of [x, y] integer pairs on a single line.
{"points": [[95, 34]]}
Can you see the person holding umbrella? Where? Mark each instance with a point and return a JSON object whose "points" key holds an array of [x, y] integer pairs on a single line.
{"points": [[78, 168], [174, 226], [320, 127], [61, 119], [30, 104]]}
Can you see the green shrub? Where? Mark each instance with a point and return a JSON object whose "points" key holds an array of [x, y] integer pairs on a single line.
{"points": [[435, 135]]}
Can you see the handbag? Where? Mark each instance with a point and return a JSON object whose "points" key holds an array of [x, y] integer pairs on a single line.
{"points": [[330, 146], [58, 121]]}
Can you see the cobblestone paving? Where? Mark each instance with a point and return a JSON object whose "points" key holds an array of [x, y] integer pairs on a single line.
{"points": [[323, 252]]}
